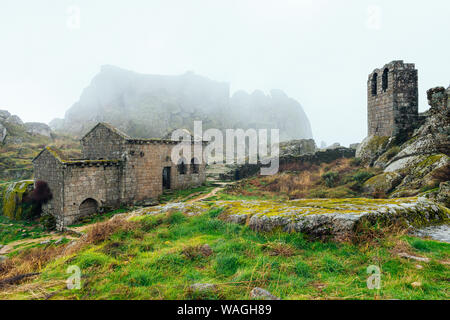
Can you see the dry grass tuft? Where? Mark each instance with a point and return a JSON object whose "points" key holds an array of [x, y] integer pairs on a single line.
{"points": [[103, 230], [279, 249], [30, 261]]}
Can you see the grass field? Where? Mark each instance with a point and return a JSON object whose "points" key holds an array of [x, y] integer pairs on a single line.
{"points": [[160, 257]]}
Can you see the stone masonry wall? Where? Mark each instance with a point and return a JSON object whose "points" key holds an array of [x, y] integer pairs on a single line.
{"points": [[117, 170], [394, 108], [144, 167], [102, 143], [47, 168], [99, 182]]}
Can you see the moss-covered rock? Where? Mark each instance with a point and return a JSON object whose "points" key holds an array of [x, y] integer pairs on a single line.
{"points": [[421, 173], [382, 183], [13, 195], [316, 217], [371, 148]]}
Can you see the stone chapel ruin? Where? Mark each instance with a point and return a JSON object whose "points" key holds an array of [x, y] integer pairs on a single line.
{"points": [[115, 170]]}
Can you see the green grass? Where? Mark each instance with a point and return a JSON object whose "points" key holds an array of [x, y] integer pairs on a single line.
{"points": [[11, 230], [98, 217], [149, 262]]}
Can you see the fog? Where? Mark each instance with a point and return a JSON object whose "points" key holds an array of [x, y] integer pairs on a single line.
{"points": [[319, 52]]}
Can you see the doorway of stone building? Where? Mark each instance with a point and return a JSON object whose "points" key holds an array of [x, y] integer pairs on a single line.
{"points": [[166, 178], [88, 207]]}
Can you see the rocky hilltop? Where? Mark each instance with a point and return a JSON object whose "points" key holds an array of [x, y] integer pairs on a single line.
{"points": [[20, 142], [153, 105], [417, 162]]}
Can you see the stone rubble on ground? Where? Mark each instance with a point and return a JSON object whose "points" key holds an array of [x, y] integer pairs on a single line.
{"points": [[202, 287], [258, 293], [408, 256]]}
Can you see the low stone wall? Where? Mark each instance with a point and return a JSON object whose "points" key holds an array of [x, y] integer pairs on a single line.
{"points": [[288, 162]]}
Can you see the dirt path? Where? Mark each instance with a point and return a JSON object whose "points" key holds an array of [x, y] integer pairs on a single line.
{"points": [[213, 192], [10, 247]]}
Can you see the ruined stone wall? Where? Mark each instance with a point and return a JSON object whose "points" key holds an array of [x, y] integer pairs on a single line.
{"points": [[47, 168], [102, 143], [392, 93], [97, 181]]}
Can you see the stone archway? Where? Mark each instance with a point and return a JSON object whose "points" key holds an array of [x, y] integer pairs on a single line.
{"points": [[88, 207]]}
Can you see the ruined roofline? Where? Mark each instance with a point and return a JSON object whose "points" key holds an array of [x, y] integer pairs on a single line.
{"points": [[393, 65], [58, 155]]}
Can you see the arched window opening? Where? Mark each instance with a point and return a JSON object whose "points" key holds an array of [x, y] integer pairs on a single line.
{"points": [[195, 167], [385, 81], [182, 166], [374, 84]]}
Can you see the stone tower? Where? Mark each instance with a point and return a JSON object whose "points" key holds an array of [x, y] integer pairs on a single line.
{"points": [[392, 99]]}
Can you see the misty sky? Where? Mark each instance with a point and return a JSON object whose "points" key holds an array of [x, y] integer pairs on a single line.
{"points": [[319, 52]]}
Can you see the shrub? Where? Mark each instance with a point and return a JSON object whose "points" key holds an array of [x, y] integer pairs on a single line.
{"points": [[362, 176], [330, 178], [356, 162]]}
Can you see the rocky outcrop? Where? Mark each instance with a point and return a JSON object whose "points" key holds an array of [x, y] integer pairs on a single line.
{"points": [[296, 148], [383, 183], [338, 218], [14, 120], [19, 144], [37, 128], [150, 106], [423, 159], [3, 133], [12, 196]]}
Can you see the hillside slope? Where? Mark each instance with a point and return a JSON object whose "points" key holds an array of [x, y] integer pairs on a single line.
{"points": [[20, 142]]}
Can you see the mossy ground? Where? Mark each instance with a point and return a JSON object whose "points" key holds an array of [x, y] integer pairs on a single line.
{"points": [[150, 261]]}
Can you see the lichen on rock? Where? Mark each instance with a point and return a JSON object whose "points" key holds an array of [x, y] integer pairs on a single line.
{"points": [[382, 183], [12, 198]]}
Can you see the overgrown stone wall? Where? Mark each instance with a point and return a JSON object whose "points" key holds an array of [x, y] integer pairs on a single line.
{"points": [[392, 93], [49, 169]]}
